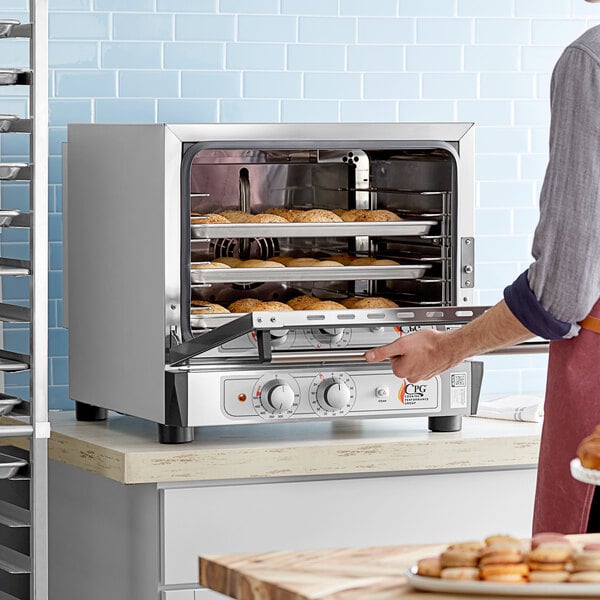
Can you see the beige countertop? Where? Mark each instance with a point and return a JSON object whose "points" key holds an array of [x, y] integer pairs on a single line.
{"points": [[126, 449]]}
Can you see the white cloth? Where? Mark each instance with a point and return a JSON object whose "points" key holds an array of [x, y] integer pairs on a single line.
{"points": [[512, 408]]}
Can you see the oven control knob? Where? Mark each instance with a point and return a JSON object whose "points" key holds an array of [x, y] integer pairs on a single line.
{"points": [[333, 334], [333, 394], [279, 337], [277, 397]]}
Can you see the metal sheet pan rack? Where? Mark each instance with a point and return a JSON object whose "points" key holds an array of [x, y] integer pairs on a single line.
{"points": [[24, 465]]}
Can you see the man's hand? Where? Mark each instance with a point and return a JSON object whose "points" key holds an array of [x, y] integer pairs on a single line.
{"points": [[417, 356], [426, 353]]}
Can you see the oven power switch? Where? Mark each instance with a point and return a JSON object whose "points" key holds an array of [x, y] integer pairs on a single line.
{"points": [[382, 392]]}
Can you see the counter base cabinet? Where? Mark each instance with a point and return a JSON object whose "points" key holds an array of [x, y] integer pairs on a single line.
{"points": [[142, 542]]}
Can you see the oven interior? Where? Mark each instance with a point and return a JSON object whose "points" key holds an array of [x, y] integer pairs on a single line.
{"points": [[417, 184]]}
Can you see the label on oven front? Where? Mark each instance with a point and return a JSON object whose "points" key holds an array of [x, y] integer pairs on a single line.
{"points": [[459, 397], [418, 396]]}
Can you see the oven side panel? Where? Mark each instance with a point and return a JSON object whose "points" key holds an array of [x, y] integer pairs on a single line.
{"points": [[116, 261]]}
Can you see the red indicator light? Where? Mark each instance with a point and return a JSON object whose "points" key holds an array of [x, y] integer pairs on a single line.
{"points": [[242, 397]]}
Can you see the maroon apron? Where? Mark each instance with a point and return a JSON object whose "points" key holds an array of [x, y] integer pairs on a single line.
{"points": [[571, 411]]}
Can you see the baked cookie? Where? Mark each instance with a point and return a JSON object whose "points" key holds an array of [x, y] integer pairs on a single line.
{"points": [[209, 265], [505, 573], [301, 302], [200, 307], [272, 307], [235, 216], [325, 305], [244, 305], [328, 263], [461, 573], [303, 262], [350, 216], [350, 302], [284, 260], [374, 302], [547, 536], [459, 558], [587, 560], [363, 261], [255, 263], [429, 567], [377, 216], [318, 215], [588, 451], [343, 259], [230, 261], [548, 576], [209, 218], [287, 214], [267, 219], [384, 262]]}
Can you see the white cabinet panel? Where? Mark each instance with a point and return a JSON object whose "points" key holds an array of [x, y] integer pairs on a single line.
{"points": [[178, 595], [338, 513], [192, 595]]}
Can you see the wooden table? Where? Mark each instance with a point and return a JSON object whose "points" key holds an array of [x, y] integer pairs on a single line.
{"points": [[348, 574]]}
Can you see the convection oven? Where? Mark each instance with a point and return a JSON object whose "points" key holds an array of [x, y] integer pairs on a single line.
{"points": [[236, 274]]}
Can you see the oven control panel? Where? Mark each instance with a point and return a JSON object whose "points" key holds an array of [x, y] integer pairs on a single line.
{"points": [[329, 393]]}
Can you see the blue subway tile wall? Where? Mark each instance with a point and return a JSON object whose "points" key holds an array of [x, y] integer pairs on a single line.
{"points": [[301, 61]]}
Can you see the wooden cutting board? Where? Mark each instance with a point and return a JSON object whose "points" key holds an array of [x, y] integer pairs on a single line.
{"points": [[348, 574]]}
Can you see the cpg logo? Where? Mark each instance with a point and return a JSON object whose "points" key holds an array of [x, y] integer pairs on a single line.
{"points": [[406, 329], [410, 393]]}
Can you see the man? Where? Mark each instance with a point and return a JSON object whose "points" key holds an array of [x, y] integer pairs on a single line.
{"points": [[552, 298]]}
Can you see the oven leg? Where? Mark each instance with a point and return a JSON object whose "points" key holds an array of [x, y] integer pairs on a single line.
{"points": [[87, 412], [171, 434], [441, 424]]}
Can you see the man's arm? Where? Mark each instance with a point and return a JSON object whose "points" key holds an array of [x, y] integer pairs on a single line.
{"points": [[426, 353]]}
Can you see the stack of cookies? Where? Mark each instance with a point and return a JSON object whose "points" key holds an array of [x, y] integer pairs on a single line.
{"points": [[502, 560], [586, 565], [459, 561], [550, 558]]}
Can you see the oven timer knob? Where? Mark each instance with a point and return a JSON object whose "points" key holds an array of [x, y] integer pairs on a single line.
{"points": [[333, 394], [277, 397], [334, 334]]}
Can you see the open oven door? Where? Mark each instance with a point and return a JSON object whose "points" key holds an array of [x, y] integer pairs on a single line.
{"points": [[263, 324]]}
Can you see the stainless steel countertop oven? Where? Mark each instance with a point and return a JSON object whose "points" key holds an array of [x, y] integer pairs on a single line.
{"points": [[221, 274]]}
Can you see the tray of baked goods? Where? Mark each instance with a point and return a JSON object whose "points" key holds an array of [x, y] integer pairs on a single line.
{"points": [[586, 466], [548, 565], [283, 222], [199, 309], [286, 268]]}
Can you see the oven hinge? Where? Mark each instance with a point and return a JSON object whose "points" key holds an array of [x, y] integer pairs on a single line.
{"points": [[173, 338]]}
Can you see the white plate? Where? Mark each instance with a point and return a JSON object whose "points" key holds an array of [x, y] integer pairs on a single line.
{"points": [[489, 588], [582, 474]]}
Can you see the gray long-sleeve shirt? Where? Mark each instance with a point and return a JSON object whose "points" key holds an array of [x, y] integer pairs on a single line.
{"points": [[563, 283]]}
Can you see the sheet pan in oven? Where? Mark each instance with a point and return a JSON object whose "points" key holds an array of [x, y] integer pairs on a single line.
{"points": [[341, 273], [251, 230]]}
